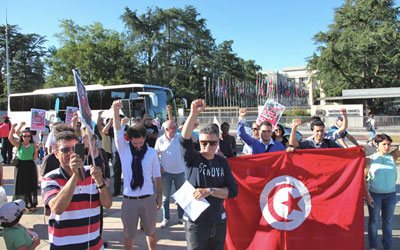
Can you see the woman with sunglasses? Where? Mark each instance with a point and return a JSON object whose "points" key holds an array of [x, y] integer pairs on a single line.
{"points": [[25, 186], [278, 135], [380, 190]]}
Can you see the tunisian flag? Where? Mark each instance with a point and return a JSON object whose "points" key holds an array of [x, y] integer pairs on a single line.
{"points": [[308, 199]]}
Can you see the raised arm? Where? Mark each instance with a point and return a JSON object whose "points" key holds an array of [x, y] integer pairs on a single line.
{"points": [[169, 110], [344, 123], [11, 137], [108, 126], [196, 108], [18, 131], [292, 139], [117, 105]]}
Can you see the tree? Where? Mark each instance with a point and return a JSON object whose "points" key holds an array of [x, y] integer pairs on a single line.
{"points": [[99, 54], [361, 49], [26, 53]]}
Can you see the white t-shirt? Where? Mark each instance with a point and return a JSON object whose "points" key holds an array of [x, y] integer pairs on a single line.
{"points": [[171, 152], [150, 166]]}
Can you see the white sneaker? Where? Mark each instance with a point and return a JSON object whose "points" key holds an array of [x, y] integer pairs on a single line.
{"points": [[164, 223]]}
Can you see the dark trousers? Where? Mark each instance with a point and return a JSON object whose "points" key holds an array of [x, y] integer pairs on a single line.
{"points": [[6, 150], [205, 236], [117, 173]]}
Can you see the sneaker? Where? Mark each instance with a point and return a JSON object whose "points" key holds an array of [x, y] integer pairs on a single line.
{"points": [[164, 223], [181, 221]]}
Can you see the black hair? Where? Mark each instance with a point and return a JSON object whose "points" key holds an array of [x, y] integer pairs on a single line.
{"points": [[266, 124], [27, 130], [281, 127], [64, 136], [6, 120], [225, 124], [317, 123], [136, 131], [12, 223], [62, 128], [315, 118], [381, 137], [210, 129]]}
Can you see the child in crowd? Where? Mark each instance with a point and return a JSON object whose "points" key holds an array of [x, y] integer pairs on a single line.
{"points": [[16, 236]]}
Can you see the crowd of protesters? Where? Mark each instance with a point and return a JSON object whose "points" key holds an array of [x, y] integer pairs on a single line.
{"points": [[152, 157]]}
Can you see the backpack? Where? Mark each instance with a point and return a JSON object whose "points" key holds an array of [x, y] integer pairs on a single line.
{"points": [[368, 125]]}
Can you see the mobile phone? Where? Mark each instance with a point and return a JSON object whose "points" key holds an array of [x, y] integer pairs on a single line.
{"points": [[79, 149]]}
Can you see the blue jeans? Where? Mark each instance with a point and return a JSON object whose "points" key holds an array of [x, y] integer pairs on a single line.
{"points": [[167, 179], [372, 134], [386, 203]]}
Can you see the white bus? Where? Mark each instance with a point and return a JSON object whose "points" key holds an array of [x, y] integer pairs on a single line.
{"points": [[137, 99]]}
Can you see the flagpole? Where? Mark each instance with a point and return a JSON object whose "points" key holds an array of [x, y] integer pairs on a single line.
{"points": [[7, 64]]}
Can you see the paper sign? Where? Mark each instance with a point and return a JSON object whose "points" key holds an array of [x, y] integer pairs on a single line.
{"points": [[38, 119], [272, 113], [192, 207], [83, 101], [71, 111]]}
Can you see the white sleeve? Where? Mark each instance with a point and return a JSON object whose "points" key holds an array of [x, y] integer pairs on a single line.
{"points": [[156, 167], [120, 142]]}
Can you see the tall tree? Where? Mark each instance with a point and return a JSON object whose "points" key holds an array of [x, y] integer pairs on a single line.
{"points": [[26, 54], [99, 54], [361, 49]]}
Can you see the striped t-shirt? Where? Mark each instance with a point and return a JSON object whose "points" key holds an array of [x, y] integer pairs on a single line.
{"points": [[80, 222]]}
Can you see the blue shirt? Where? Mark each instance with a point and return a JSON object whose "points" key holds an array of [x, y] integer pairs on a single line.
{"points": [[382, 174], [257, 146]]}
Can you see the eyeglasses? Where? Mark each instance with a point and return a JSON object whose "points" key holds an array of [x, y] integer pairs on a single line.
{"points": [[66, 149], [26, 136], [211, 143]]}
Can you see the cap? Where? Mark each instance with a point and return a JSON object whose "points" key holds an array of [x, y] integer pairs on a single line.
{"points": [[6, 117], [10, 211], [57, 120], [340, 118]]}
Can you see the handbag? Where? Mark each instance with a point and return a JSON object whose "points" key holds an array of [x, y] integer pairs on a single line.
{"points": [[14, 161]]}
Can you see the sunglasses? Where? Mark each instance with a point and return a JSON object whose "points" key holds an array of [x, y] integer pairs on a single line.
{"points": [[26, 136], [254, 129], [211, 143], [66, 149]]}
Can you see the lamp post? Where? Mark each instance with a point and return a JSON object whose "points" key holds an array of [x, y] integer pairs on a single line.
{"points": [[205, 88]]}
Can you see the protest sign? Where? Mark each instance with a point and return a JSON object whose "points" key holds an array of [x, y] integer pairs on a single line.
{"points": [[71, 111], [272, 112], [38, 119], [83, 101]]}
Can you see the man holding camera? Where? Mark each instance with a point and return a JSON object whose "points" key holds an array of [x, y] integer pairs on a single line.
{"points": [[74, 194]]}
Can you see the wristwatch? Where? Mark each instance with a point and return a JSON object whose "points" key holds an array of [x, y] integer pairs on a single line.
{"points": [[211, 190], [101, 186]]}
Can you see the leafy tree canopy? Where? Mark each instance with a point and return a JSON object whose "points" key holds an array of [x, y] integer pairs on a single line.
{"points": [[361, 49]]}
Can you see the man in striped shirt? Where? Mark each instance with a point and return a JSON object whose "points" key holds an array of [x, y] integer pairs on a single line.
{"points": [[74, 222]]}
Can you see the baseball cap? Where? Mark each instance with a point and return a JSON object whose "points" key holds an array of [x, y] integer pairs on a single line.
{"points": [[57, 120], [10, 211], [340, 118], [6, 117]]}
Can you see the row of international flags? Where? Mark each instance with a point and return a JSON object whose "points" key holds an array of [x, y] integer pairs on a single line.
{"points": [[265, 86]]}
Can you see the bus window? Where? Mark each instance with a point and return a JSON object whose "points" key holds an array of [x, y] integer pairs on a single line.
{"points": [[95, 99], [28, 103], [110, 95], [16, 103], [41, 102]]}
